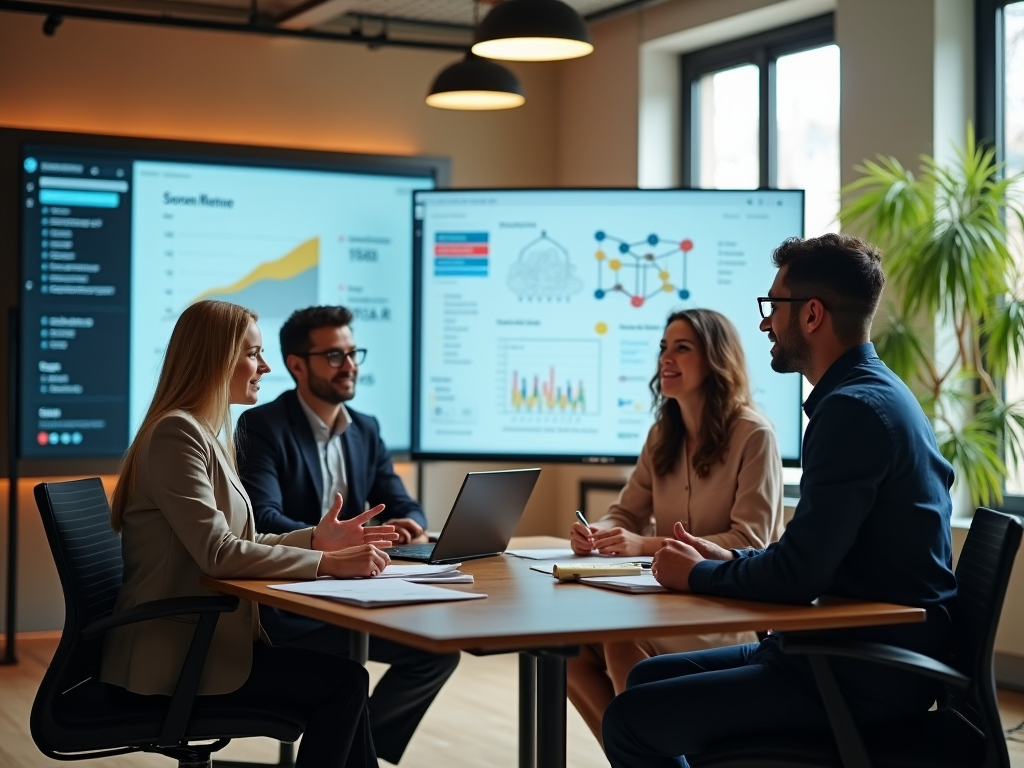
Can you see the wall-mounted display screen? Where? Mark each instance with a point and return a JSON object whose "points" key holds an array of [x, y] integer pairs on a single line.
{"points": [[541, 312], [117, 242]]}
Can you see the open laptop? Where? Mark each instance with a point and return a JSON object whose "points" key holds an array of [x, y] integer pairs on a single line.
{"points": [[483, 518]]}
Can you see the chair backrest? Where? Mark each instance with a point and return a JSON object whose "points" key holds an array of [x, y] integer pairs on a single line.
{"points": [[982, 575], [87, 554]]}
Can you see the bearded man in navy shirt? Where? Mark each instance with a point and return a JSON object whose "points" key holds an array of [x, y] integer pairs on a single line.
{"points": [[872, 523]]}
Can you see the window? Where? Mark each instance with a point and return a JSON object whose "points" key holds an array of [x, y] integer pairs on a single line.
{"points": [[1000, 120], [764, 112]]}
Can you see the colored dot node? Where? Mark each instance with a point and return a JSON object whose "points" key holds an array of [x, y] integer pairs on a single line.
{"points": [[599, 255], [653, 239], [599, 235], [686, 246], [615, 264], [623, 247], [598, 294], [637, 301], [663, 275], [649, 256], [684, 294], [668, 287], [601, 328]]}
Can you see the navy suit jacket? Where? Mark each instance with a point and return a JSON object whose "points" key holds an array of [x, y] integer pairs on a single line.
{"points": [[280, 468]]}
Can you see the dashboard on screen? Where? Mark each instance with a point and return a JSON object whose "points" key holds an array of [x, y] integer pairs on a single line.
{"points": [[116, 243], [540, 313]]}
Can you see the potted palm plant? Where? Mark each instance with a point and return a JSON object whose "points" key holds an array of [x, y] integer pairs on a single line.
{"points": [[954, 320]]}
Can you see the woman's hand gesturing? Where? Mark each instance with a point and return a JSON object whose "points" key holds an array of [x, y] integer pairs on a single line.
{"points": [[332, 534]]}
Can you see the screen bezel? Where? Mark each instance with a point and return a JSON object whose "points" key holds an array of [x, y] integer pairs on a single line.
{"points": [[13, 142], [561, 458]]}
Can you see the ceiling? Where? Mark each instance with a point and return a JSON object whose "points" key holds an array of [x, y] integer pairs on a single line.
{"points": [[457, 12], [431, 23]]}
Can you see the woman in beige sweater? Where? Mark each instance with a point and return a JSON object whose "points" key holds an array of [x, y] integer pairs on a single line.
{"points": [[182, 512], [710, 462]]}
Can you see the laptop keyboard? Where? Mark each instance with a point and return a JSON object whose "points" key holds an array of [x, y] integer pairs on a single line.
{"points": [[412, 550]]}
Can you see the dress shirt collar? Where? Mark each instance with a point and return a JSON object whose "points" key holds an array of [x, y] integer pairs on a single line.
{"points": [[836, 372], [321, 431]]}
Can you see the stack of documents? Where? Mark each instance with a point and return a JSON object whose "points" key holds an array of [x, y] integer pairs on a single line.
{"points": [[427, 574], [386, 589]]}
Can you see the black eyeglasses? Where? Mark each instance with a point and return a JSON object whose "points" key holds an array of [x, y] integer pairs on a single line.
{"points": [[766, 304], [336, 357]]}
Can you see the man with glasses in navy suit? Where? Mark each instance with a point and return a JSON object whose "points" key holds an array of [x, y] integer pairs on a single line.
{"points": [[298, 457]]}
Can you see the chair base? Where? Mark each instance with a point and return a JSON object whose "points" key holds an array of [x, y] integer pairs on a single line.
{"points": [[285, 759]]}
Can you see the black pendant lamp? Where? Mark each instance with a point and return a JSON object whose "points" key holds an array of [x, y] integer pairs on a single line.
{"points": [[475, 84], [532, 30]]}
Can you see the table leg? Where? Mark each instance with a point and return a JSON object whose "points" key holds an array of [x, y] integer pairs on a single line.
{"points": [[359, 647], [551, 712], [527, 710]]}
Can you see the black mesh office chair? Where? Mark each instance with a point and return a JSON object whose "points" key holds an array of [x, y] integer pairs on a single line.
{"points": [[963, 732], [74, 715]]}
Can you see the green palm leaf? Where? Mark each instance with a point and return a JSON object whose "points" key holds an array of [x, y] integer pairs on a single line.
{"points": [[948, 256]]}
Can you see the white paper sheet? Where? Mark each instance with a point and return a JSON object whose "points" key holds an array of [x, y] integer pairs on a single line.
{"points": [[375, 593]]}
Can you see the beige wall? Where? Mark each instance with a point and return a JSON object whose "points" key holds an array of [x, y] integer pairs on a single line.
{"points": [[597, 110], [210, 86]]}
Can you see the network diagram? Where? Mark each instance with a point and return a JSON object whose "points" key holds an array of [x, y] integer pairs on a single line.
{"points": [[544, 272], [646, 271]]}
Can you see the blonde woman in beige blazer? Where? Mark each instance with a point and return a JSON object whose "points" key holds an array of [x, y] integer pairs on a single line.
{"points": [[182, 512], [710, 463]]}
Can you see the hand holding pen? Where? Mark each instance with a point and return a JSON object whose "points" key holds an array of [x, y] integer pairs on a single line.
{"points": [[582, 537], [587, 539]]}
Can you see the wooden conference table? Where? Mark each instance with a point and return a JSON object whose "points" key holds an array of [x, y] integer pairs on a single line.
{"points": [[546, 622]]}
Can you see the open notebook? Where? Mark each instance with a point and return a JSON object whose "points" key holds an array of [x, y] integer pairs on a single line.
{"points": [[635, 585]]}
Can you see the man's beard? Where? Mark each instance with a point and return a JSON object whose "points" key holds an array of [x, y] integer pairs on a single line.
{"points": [[324, 389], [792, 352]]}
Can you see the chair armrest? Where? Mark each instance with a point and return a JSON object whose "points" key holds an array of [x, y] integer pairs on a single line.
{"points": [[879, 653], [159, 609], [209, 609]]}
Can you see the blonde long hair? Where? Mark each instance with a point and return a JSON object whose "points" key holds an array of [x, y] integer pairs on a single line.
{"points": [[196, 377]]}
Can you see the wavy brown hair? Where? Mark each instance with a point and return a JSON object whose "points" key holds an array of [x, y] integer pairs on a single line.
{"points": [[726, 392], [196, 378]]}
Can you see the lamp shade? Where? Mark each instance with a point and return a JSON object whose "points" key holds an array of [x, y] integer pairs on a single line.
{"points": [[532, 30], [475, 84]]}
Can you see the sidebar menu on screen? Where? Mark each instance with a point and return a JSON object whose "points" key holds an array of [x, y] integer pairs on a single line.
{"points": [[76, 240]]}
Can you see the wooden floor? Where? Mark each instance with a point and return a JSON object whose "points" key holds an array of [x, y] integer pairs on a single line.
{"points": [[473, 722]]}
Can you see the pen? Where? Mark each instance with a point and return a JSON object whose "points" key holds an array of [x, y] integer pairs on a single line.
{"points": [[582, 519]]}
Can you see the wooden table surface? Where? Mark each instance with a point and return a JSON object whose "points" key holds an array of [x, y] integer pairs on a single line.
{"points": [[527, 609]]}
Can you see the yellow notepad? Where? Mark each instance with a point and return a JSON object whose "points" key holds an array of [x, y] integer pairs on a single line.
{"points": [[571, 572]]}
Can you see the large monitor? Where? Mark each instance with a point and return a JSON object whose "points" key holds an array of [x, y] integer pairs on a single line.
{"points": [[118, 237], [540, 313]]}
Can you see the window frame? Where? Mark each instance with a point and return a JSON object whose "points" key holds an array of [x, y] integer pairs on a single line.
{"points": [[989, 115], [990, 86], [762, 50]]}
